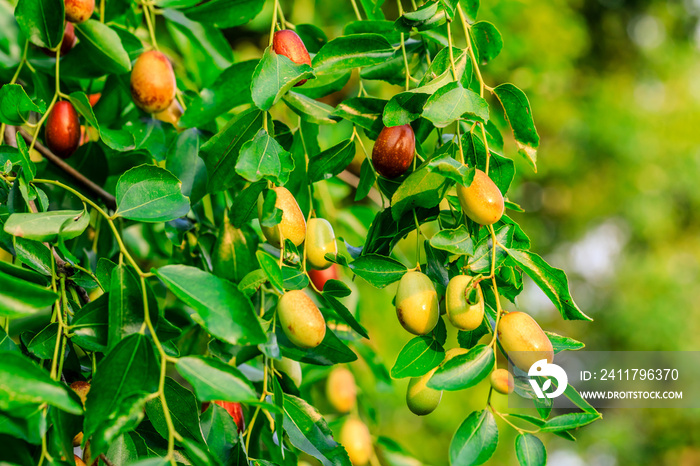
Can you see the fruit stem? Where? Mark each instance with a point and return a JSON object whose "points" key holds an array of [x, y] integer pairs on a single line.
{"points": [[283, 20], [357, 10], [274, 22], [459, 141], [102, 11], [452, 55], [257, 409], [418, 236], [403, 49], [149, 23]]}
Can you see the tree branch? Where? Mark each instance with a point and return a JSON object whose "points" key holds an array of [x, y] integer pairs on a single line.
{"points": [[354, 181], [97, 190]]}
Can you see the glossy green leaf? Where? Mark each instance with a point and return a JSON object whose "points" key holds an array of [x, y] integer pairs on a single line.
{"points": [[41, 21], [352, 51], [19, 298], [469, 339], [530, 451], [378, 270], [341, 310], [220, 432], [550, 280], [519, 115], [324, 85], [454, 241], [312, 36], [215, 380], [264, 158], [225, 312], [274, 76], [183, 409], [561, 343], [452, 102], [48, 226], [104, 46], [569, 421], [43, 344], [150, 194], [452, 169], [309, 109], [331, 350], [422, 188], [15, 105], [225, 13], [464, 370], [23, 382], [126, 308], [381, 27], [365, 112], [420, 355], [90, 325], [232, 256], [488, 41], [471, 8], [332, 161], [184, 162], [475, 440]]}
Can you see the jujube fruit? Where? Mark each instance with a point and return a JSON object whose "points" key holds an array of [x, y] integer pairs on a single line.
{"points": [[341, 390], [94, 98], [355, 437], [78, 461], [62, 132], [81, 388], [153, 82], [502, 381], [464, 302], [290, 367], [293, 224], [417, 303], [320, 240], [301, 320], [394, 150], [236, 412], [171, 114], [286, 42], [481, 201], [320, 277], [68, 42], [523, 340], [420, 398], [78, 11]]}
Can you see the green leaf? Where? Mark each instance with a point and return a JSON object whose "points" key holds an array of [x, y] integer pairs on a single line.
{"points": [[150, 194], [309, 432], [550, 280], [530, 451], [225, 13], [469, 339], [331, 162], [90, 325], [312, 36], [183, 409], [475, 440], [365, 112], [324, 85], [232, 257], [264, 158], [519, 115], [41, 21], [220, 153], [220, 432], [352, 51], [451, 102], [126, 312], [420, 355], [274, 76], [15, 106], [220, 97], [569, 421], [483, 255], [341, 310], [271, 268], [471, 8], [464, 370], [488, 41], [381, 27], [378, 270], [44, 343], [104, 46], [48, 226], [215, 380], [184, 162], [561, 343], [422, 188], [450, 168], [428, 16], [456, 241], [22, 382], [309, 109], [367, 180], [331, 350], [128, 372], [19, 298], [225, 312]]}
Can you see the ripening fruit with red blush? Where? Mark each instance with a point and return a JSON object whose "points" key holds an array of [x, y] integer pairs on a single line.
{"points": [[78, 11], [320, 277], [394, 150], [78, 461], [68, 41], [94, 98], [62, 133], [301, 320], [286, 42], [153, 82], [236, 412], [502, 381]]}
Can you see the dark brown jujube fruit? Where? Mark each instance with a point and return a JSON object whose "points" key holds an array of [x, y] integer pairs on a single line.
{"points": [[394, 150], [62, 132], [286, 42]]}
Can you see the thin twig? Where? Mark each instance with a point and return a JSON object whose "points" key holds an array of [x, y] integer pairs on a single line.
{"points": [[354, 181]]}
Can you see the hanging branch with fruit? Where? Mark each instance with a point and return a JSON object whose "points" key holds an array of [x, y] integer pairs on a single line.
{"points": [[169, 215]]}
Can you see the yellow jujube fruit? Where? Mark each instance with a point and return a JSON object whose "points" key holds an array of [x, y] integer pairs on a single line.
{"points": [[417, 303], [153, 84], [464, 302], [355, 437], [502, 381], [320, 240], [341, 390], [293, 224], [420, 398], [301, 320], [290, 367], [482, 201], [523, 340]]}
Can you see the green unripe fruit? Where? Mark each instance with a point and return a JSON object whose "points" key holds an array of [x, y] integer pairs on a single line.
{"points": [[320, 240], [417, 303], [482, 201], [523, 340], [420, 398], [502, 381], [394, 150], [341, 390], [301, 320], [293, 224], [153, 83], [355, 437], [290, 367], [464, 302]]}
